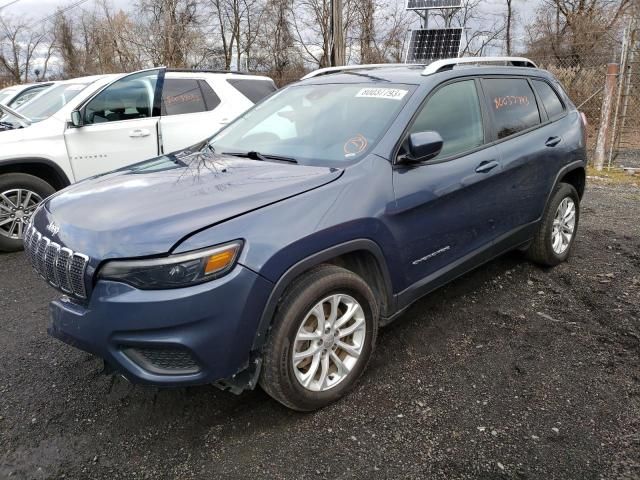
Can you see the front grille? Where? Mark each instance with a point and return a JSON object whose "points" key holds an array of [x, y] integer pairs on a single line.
{"points": [[163, 361], [61, 267]]}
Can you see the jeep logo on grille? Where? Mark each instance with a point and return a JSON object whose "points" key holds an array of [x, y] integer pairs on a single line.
{"points": [[53, 228]]}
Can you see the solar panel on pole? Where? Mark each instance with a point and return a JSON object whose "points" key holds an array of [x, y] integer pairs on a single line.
{"points": [[427, 45], [433, 4]]}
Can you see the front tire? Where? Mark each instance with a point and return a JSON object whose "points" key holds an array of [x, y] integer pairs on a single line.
{"points": [[323, 335], [20, 194], [557, 231]]}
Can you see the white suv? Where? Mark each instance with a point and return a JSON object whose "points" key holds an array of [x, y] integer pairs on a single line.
{"points": [[16, 95], [111, 121]]}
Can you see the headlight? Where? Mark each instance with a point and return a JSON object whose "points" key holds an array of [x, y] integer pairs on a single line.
{"points": [[175, 271]]}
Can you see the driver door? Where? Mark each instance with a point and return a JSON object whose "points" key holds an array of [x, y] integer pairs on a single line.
{"points": [[119, 125], [447, 208]]}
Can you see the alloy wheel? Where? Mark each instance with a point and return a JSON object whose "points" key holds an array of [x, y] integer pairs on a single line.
{"points": [[564, 224], [329, 342], [16, 207]]}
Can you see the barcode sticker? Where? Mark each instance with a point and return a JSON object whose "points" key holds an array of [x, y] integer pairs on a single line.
{"points": [[390, 93]]}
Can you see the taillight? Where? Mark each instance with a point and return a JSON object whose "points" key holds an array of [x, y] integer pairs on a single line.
{"points": [[585, 123]]}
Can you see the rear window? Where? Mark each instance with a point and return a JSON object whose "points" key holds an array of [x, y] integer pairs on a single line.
{"points": [[552, 103], [512, 104], [254, 90], [180, 96]]}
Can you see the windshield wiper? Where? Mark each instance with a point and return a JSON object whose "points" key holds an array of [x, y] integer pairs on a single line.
{"points": [[22, 120], [253, 155]]}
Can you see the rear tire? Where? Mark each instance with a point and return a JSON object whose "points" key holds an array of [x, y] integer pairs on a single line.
{"points": [[20, 194], [556, 233], [305, 312]]}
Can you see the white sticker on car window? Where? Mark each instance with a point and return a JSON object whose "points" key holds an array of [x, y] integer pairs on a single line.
{"points": [[390, 93]]}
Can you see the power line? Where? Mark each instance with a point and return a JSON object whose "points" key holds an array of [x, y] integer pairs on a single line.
{"points": [[58, 12], [8, 4]]}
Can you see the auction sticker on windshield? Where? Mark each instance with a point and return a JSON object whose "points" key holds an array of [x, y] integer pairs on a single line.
{"points": [[390, 93]]}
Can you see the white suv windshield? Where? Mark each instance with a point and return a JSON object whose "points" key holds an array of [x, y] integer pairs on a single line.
{"points": [[333, 123], [49, 102]]}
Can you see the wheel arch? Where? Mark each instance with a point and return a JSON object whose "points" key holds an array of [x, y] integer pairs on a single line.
{"points": [[576, 177], [363, 257], [570, 173], [38, 167]]}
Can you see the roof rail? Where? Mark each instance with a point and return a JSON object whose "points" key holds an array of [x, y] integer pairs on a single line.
{"points": [[449, 63], [347, 68], [206, 70]]}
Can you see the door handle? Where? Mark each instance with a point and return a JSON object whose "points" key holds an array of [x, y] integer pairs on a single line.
{"points": [[485, 166], [139, 132], [552, 141]]}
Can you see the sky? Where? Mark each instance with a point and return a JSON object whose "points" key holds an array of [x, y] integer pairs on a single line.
{"points": [[34, 10]]}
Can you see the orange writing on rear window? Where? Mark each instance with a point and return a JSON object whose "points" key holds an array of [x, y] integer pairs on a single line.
{"points": [[184, 98], [510, 100]]}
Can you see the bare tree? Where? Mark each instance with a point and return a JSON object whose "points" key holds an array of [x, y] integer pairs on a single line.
{"points": [[392, 24], [20, 43], [275, 52], [168, 31], [576, 30], [485, 30], [365, 11], [311, 24], [237, 24], [223, 12], [98, 41]]}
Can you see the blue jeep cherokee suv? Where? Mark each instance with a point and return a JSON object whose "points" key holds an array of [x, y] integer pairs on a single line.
{"points": [[272, 252]]}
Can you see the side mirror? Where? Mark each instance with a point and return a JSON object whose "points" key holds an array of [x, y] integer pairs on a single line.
{"points": [[423, 146], [76, 118]]}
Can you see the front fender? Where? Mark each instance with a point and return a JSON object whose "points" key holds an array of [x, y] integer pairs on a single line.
{"points": [[305, 264], [288, 237]]}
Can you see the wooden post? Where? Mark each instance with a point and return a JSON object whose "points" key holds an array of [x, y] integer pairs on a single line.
{"points": [[337, 34], [613, 69]]}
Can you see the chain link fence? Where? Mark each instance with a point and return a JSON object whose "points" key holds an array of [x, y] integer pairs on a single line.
{"points": [[584, 83], [625, 136], [584, 78]]}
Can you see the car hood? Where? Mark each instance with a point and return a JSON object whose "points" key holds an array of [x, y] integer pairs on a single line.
{"points": [[148, 208]]}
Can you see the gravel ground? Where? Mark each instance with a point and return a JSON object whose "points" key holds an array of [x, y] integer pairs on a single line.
{"points": [[510, 372]]}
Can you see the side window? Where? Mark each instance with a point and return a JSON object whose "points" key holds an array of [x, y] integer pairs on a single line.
{"points": [[129, 98], [183, 95], [552, 104], [454, 112], [254, 90], [210, 98], [512, 103]]}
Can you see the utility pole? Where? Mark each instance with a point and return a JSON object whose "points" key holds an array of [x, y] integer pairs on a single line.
{"points": [[509, 26], [337, 34], [613, 69]]}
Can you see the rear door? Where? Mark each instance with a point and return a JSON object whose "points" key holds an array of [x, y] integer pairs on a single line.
{"points": [[529, 146], [190, 112], [120, 125]]}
